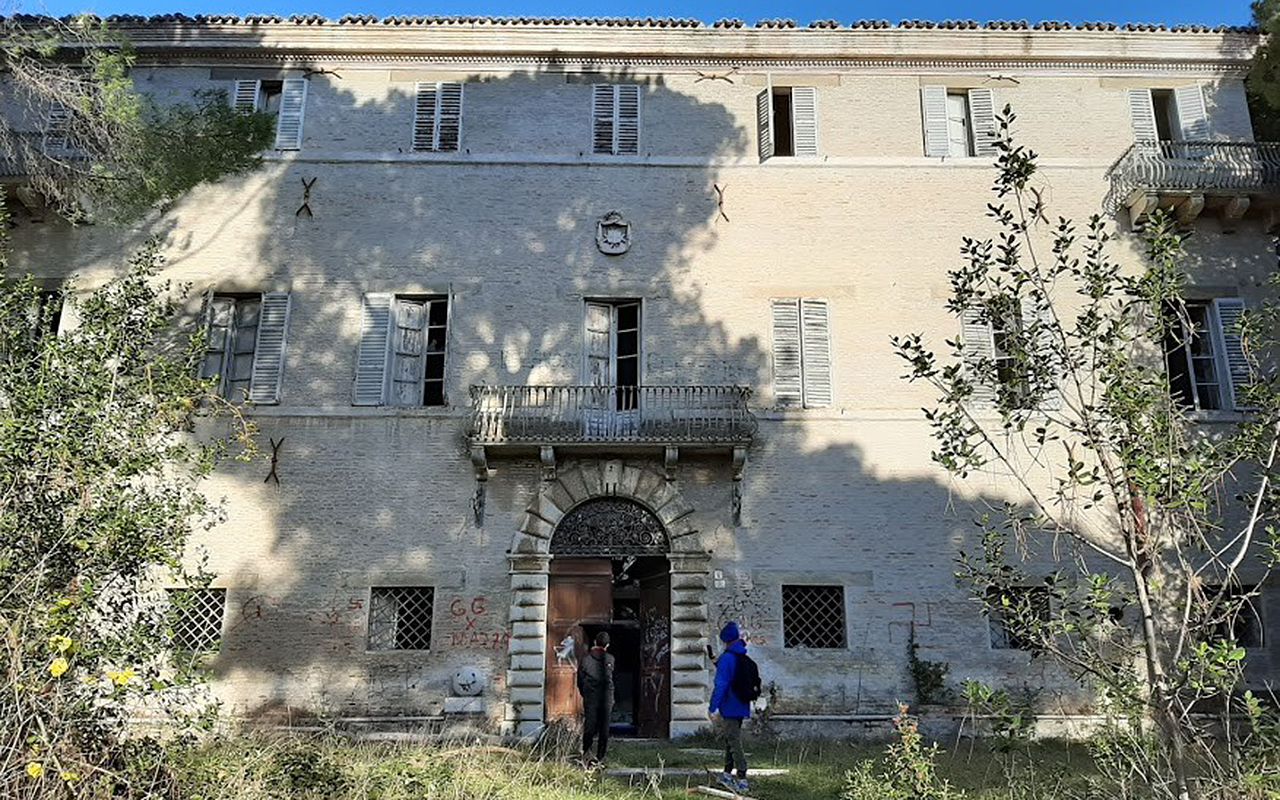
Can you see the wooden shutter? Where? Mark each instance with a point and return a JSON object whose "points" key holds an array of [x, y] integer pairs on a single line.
{"points": [[407, 352], [627, 124], [1142, 114], [1227, 311], [268, 351], [602, 118], [815, 352], [764, 123], [245, 96], [437, 116], [982, 116], [55, 133], [425, 115], [1043, 347], [293, 101], [449, 117], [978, 345], [1192, 116], [787, 384], [371, 357], [933, 106], [804, 120]]}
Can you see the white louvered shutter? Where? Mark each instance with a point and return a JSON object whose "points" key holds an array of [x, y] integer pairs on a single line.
{"points": [[1192, 116], [424, 116], [56, 134], [437, 116], [933, 109], [787, 384], [293, 101], [371, 357], [408, 338], [269, 349], [1227, 311], [602, 117], [815, 352], [627, 125], [449, 124], [764, 124], [804, 120], [978, 345], [245, 96], [1142, 114], [1043, 348], [982, 115]]}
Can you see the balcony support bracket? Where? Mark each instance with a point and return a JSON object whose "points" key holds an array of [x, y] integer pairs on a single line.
{"points": [[1233, 211], [739, 467], [479, 463], [547, 454], [1140, 205], [1189, 209], [670, 458]]}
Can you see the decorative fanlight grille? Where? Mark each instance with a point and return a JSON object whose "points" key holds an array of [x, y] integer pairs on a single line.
{"points": [[609, 526], [197, 618], [400, 617], [813, 616]]}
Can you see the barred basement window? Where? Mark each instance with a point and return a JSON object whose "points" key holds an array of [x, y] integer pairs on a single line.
{"points": [[1024, 608], [400, 617], [197, 619], [1238, 615], [813, 617]]}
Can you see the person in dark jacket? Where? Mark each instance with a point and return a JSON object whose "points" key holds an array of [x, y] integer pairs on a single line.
{"points": [[595, 684], [730, 709]]}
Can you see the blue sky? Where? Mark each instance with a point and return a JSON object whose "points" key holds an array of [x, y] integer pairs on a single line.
{"points": [[1231, 12]]}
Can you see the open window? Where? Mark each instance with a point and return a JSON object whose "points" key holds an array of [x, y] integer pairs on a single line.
{"points": [[401, 358], [1169, 115], [285, 99], [1204, 353], [787, 121], [958, 122]]}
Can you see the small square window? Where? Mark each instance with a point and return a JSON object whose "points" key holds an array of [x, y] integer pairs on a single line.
{"points": [[813, 617], [400, 617], [197, 619], [1013, 615], [1243, 608]]}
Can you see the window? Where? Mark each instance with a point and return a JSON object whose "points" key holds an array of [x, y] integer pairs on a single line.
{"points": [[401, 360], [286, 99], [1204, 353], [197, 618], [57, 130], [437, 117], [813, 617], [1009, 352], [400, 617], [612, 350], [958, 122], [1238, 610], [1014, 614], [999, 339], [615, 119], [1169, 115], [801, 352], [245, 343], [787, 122]]}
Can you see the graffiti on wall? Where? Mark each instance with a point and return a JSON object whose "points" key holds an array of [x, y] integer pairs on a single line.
{"points": [[751, 610], [472, 626]]}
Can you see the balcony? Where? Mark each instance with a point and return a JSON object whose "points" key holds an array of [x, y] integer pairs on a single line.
{"points": [[1190, 178]]}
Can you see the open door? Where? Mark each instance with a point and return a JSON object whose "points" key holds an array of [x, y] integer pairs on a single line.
{"points": [[654, 717], [580, 592]]}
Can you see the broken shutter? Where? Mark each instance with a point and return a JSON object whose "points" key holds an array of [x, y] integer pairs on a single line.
{"points": [[371, 357], [982, 115], [1038, 318], [627, 127], [407, 348], [815, 352], [1193, 119], [245, 97], [933, 105], [804, 120], [437, 116], [764, 123], [1142, 114], [979, 346], [55, 133], [268, 351], [1227, 311], [293, 100], [602, 119], [787, 385]]}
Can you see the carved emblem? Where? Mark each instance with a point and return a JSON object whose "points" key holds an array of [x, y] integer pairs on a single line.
{"points": [[613, 234]]}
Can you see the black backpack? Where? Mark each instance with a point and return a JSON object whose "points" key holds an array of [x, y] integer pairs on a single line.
{"points": [[745, 683]]}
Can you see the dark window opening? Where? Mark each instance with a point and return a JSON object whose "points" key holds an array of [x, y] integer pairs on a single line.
{"points": [[1235, 614], [269, 93], [813, 617], [783, 140], [1166, 111], [400, 617], [1011, 352], [1015, 615], [1190, 358]]}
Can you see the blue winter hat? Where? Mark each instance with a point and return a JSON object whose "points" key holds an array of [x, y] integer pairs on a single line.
{"points": [[729, 634]]}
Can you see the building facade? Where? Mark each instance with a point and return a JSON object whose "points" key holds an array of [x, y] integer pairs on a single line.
{"points": [[558, 326]]}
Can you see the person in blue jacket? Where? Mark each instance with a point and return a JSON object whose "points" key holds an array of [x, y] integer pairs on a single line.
{"points": [[730, 709]]}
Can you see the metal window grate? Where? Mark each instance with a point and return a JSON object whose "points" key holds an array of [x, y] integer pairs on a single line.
{"points": [[197, 618], [1017, 616], [813, 616], [400, 617]]}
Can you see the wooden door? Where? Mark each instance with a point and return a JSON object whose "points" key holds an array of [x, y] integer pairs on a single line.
{"points": [[653, 717], [580, 591]]}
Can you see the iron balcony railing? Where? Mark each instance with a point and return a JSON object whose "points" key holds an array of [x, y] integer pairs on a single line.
{"points": [[1194, 167], [670, 415]]}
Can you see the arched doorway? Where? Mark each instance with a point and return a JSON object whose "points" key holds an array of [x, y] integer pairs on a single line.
{"points": [[609, 572]]}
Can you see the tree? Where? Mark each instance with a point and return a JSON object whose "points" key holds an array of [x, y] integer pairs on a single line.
{"points": [[1263, 83], [1077, 405]]}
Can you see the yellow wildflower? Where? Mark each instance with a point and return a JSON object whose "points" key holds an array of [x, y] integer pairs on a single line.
{"points": [[60, 643], [58, 666], [120, 677], [34, 769], [69, 776]]}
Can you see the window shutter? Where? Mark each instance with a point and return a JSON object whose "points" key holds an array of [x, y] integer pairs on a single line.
{"points": [[55, 132], [449, 118], [982, 115], [407, 347], [815, 349], [978, 346], [268, 351], [764, 123], [627, 126], [933, 105], [602, 119], [786, 352], [424, 116], [1143, 115], [1192, 116], [1043, 347], [371, 357], [1227, 311], [599, 343], [245, 97], [804, 120], [293, 100]]}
